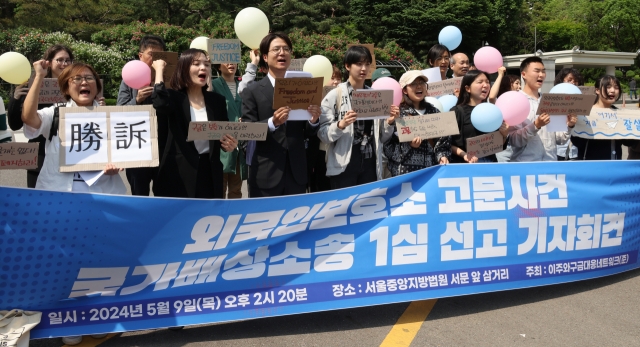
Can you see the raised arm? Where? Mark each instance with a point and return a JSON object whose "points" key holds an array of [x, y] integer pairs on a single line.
{"points": [[30, 107]]}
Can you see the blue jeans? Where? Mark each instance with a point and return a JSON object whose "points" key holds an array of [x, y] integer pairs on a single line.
{"points": [[633, 92]]}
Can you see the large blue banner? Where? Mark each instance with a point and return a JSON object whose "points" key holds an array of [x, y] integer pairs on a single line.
{"points": [[99, 263]]}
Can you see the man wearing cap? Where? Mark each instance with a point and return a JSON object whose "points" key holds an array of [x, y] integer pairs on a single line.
{"points": [[379, 73], [459, 65]]}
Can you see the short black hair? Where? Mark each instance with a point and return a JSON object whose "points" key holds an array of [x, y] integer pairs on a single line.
{"points": [[566, 72], [357, 54], [435, 53], [604, 82], [152, 41], [266, 43], [525, 63]]}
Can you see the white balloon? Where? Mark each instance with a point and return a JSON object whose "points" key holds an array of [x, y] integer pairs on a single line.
{"points": [[251, 26], [435, 102], [200, 43], [319, 66]]}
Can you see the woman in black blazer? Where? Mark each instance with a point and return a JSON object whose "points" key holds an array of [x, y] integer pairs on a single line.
{"points": [[188, 169]]}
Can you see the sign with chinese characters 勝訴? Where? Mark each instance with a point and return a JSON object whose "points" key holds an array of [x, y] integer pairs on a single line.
{"points": [[427, 126], [216, 130], [610, 124], [91, 137]]}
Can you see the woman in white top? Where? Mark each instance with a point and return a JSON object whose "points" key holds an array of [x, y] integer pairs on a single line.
{"points": [[79, 83]]}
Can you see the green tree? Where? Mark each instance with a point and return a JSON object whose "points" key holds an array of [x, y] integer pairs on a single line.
{"points": [[313, 16]]}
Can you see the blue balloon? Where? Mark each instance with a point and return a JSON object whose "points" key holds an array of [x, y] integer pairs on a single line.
{"points": [[450, 37], [486, 117], [448, 102], [565, 88]]}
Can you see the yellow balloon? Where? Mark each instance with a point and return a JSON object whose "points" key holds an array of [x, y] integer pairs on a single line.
{"points": [[251, 26], [319, 66], [200, 42], [14, 68]]}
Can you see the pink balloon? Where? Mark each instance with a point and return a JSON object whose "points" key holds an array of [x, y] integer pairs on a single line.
{"points": [[488, 59], [514, 106], [389, 83], [136, 74]]}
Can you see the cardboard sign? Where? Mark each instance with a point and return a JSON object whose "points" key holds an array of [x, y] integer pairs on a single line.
{"points": [[297, 93], [297, 64], [485, 145], [225, 51], [427, 126], [171, 58], [50, 91], [445, 87], [372, 103], [326, 90], [216, 130], [371, 49], [91, 137], [587, 90], [608, 124], [18, 155], [564, 104]]}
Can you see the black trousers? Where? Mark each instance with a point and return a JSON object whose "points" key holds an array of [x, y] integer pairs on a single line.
{"points": [[204, 178], [358, 171], [140, 179], [287, 186]]}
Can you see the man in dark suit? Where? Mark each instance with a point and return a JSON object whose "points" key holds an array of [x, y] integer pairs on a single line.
{"points": [[279, 164]]}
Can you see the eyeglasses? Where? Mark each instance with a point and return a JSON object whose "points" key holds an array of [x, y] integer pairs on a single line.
{"points": [[444, 58], [416, 84], [63, 61], [79, 79], [276, 50]]}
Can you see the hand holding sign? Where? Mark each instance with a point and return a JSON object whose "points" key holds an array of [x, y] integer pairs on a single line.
{"points": [[348, 119]]}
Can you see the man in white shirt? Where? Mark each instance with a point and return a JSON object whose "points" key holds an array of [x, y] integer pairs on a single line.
{"points": [[459, 64]]}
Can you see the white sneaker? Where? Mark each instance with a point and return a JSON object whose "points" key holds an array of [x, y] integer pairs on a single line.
{"points": [[99, 336], [71, 340]]}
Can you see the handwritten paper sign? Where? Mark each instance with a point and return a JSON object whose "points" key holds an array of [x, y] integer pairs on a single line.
{"points": [[604, 123], [216, 130], [91, 137], [297, 64], [372, 103], [587, 90], [297, 93], [326, 90], [485, 145], [18, 155], [427, 126], [445, 87], [225, 51], [171, 58], [50, 91], [563, 104], [371, 49]]}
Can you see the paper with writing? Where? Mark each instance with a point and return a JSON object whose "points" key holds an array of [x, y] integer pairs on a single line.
{"points": [[446, 87], [485, 145], [428, 126], [50, 91], [297, 64], [564, 104], [18, 155], [171, 58], [298, 94], [224, 51], [216, 130], [604, 123], [372, 103]]}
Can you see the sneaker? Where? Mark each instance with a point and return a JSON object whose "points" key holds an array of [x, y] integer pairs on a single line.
{"points": [[71, 340], [99, 336]]}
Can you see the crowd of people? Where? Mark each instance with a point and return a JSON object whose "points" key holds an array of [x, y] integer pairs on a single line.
{"points": [[333, 149]]}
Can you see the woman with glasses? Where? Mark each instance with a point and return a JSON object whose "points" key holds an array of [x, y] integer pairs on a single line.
{"points": [[79, 84], [354, 146], [189, 169], [58, 57], [439, 56], [405, 157]]}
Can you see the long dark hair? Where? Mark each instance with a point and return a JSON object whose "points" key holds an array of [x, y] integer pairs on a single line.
{"points": [[604, 82], [51, 52], [181, 78], [465, 97]]}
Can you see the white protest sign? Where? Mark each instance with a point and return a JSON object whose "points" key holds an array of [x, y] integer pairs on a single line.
{"points": [[433, 74], [609, 124], [446, 87]]}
